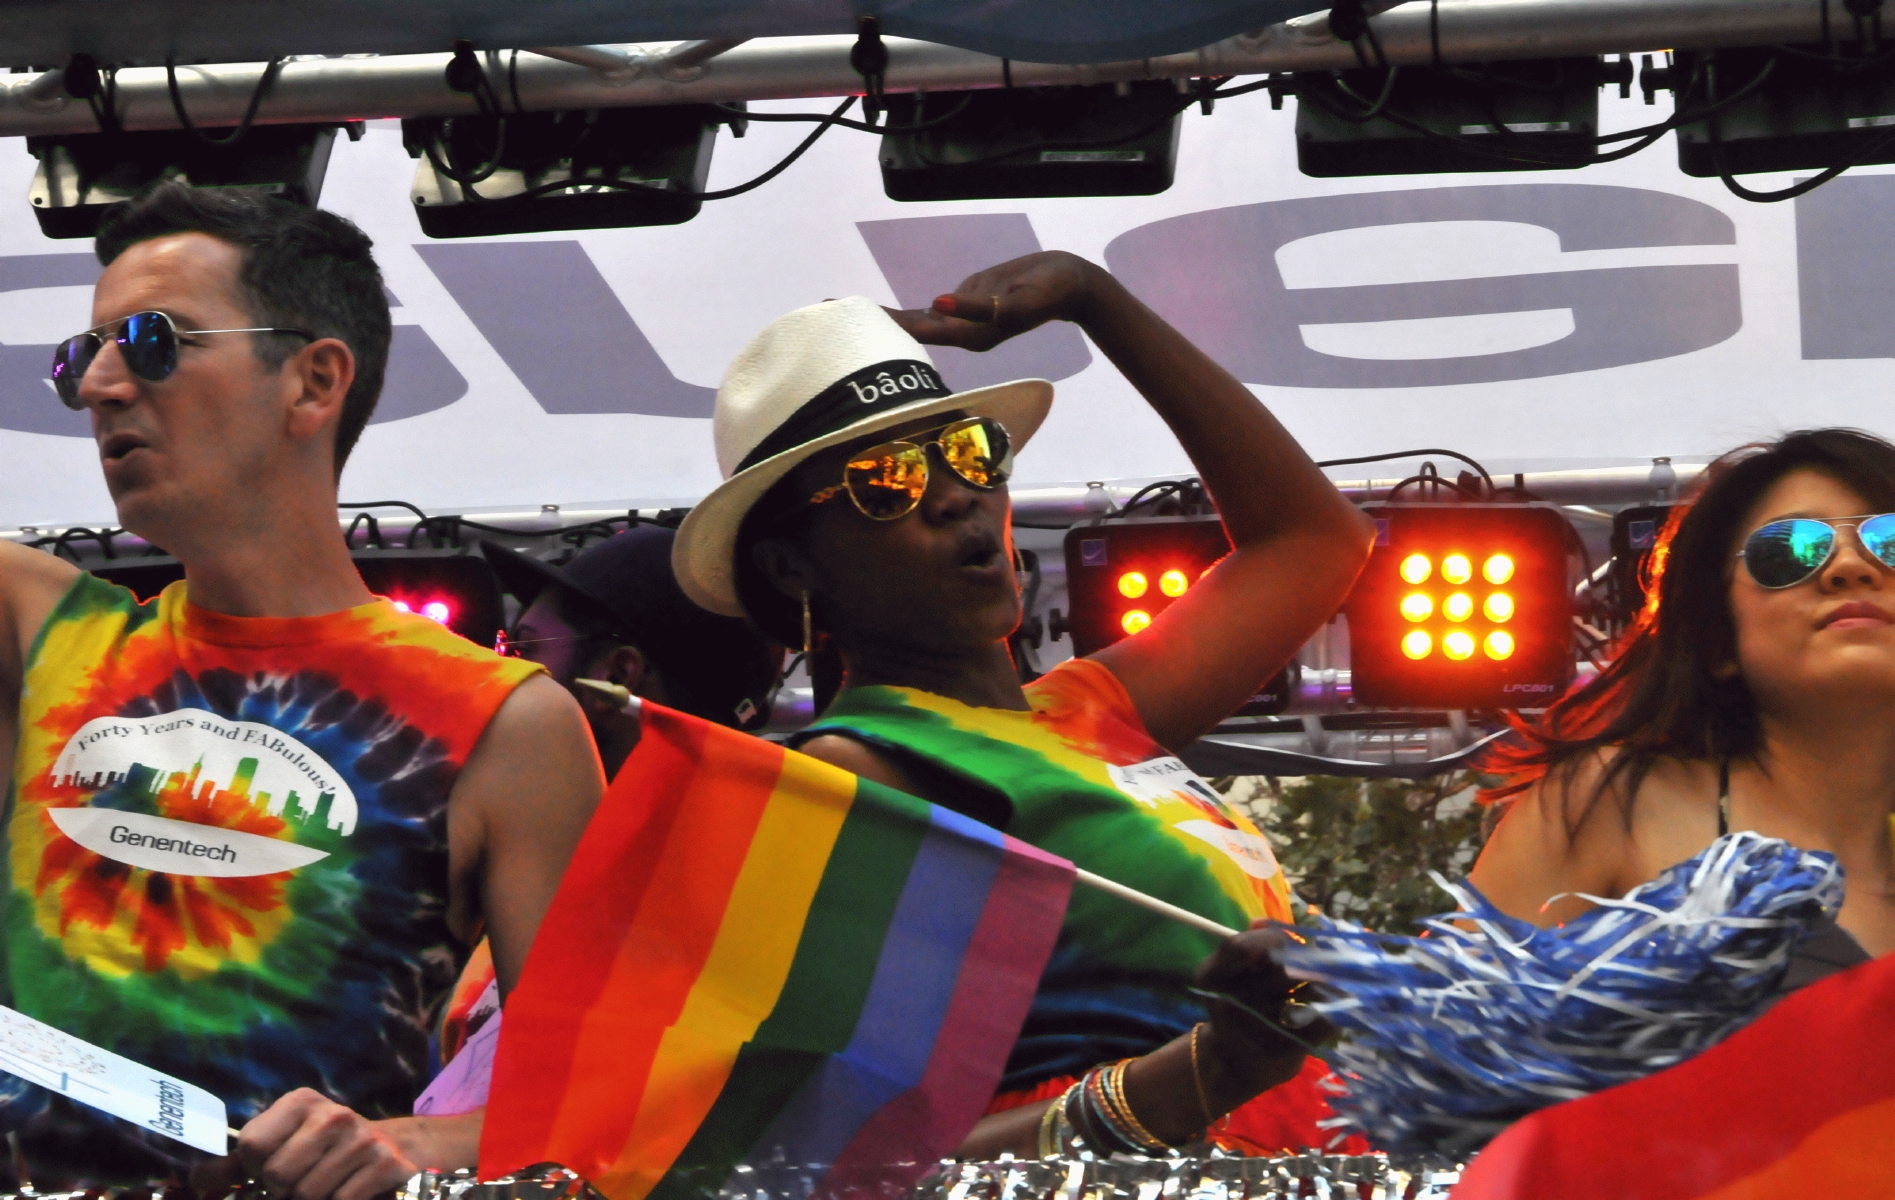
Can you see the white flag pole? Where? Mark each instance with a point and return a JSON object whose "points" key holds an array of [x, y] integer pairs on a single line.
{"points": [[1183, 916]]}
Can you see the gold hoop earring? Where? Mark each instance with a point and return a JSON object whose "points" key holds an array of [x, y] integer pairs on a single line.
{"points": [[809, 632]]}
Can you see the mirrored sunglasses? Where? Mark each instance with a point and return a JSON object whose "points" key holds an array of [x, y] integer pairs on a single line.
{"points": [[1785, 553], [147, 341], [886, 482]]}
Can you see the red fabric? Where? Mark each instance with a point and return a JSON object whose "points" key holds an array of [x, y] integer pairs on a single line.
{"points": [[1799, 1104], [1283, 1118]]}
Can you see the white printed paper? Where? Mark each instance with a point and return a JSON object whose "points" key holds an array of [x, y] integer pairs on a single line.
{"points": [[111, 1083]]}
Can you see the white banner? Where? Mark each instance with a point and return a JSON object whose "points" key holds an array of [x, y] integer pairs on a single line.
{"points": [[1535, 320], [59, 1062]]}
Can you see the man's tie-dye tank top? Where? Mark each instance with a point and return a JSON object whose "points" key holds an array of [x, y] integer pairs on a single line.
{"points": [[227, 853], [1081, 777]]}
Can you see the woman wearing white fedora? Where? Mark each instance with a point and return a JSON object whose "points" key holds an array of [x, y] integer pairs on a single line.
{"points": [[866, 503]]}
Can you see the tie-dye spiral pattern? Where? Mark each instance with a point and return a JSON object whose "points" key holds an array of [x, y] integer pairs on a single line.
{"points": [[169, 758], [1082, 779]]}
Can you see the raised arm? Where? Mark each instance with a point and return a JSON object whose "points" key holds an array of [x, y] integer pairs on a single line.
{"points": [[1297, 543]]}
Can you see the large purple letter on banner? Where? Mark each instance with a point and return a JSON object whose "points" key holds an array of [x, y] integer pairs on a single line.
{"points": [[922, 257], [556, 323], [27, 400], [1214, 275], [1845, 268]]}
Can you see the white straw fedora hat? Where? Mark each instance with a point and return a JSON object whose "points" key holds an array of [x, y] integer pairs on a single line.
{"points": [[815, 378]]}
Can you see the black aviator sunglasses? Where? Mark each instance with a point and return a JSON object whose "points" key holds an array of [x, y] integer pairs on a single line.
{"points": [[148, 341]]}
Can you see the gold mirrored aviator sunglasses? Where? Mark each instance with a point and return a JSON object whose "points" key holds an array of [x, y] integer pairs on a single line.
{"points": [[886, 482]]}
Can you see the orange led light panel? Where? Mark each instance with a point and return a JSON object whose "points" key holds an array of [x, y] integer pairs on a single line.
{"points": [[1135, 621], [1132, 585], [1498, 644], [1417, 606], [1416, 567], [1173, 583], [1458, 607], [1456, 569], [1499, 610], [1497, 569], [1417, 644]]}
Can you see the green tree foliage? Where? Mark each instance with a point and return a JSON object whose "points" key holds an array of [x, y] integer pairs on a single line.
{"points": [[1361, 849]]}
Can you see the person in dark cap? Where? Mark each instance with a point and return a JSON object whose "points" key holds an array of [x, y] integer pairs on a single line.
{"points": [[615, 613]]}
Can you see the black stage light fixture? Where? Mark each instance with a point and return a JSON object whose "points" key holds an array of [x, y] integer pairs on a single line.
{"points": [[1120, 574], [1779, 109], [1635, 532], [1532, 115], [452, 587], [1008, 143], [81, 175], [533, 172], [1463, 606]]}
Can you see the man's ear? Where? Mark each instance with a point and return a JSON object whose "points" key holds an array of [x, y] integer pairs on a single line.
{"points": [[316, 382], [784, 564]]}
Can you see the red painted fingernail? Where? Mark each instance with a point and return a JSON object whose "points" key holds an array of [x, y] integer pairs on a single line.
{"points": [[946, 305]]}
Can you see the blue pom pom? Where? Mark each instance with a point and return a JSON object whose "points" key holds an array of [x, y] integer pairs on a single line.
{"points": [[1452, 1036]]}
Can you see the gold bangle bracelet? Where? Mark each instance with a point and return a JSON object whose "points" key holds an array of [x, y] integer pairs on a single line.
{"points": [[1049, 1127], [1115, 1081], [1197, 1079]]}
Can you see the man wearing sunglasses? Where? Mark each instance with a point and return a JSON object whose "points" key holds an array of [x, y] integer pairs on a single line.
{"points": [[257, 822]]}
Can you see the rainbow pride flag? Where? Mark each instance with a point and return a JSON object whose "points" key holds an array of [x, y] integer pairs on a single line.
{"points": [[756, 958], [1800, 1104]]}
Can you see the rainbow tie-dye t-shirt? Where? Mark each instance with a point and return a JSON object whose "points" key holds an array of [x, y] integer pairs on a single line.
{"points": [[227, 853], [1081, 777]]}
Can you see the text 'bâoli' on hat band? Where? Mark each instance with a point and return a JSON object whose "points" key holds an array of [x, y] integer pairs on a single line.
{"points": [[871, 390]]}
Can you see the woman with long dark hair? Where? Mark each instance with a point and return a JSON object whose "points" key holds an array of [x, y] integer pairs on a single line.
{"points": [[1756, 691], [866, 504]]}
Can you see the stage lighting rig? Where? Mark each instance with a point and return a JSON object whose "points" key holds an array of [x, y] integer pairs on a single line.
{"points": [[1532, 115], [1463, 606], [1007, 143], [451, 587], [1635, 533], [1122, 573], [81, 175], [584, 169], [1785, 108]]}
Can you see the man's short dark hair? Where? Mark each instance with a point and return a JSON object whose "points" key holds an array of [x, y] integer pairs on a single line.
{"points": [[302, 269]]}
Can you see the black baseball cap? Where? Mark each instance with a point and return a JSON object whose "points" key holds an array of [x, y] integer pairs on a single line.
{"points": [[714, 667]]}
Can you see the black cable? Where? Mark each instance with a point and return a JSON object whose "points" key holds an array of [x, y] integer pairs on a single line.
{"points": [[1714, 141], [721, 194], [1374, 109], [1436, 481], [1647, 135], [264, 83], [1369, 458], [513, 81], [384, 504], [373, 537], [844, 123], [467, 179]]}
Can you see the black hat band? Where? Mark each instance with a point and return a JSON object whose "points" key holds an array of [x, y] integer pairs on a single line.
{"points": [[874, 389]]}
